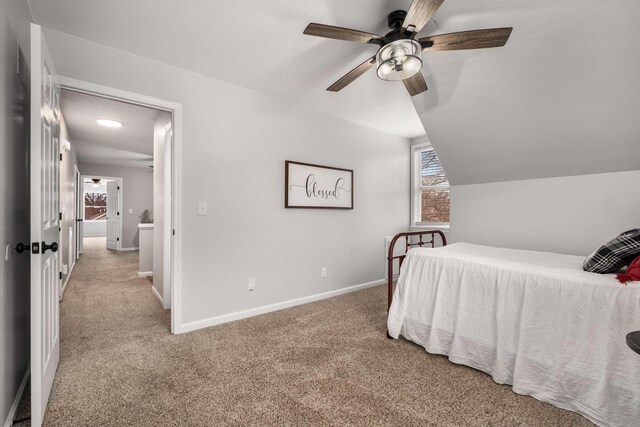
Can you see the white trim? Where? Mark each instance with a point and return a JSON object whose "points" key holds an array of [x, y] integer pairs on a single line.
{"points": [[64, 285], [129, 249], [174, 221], [155, 292], [231, 317], [16, 401], [167, 146], [443, 228], [413, 195], [145, 273]]}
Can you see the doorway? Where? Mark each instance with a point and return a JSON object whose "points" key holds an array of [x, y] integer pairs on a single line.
{"points": [[167, 218], [100, 206], [124, 153]]}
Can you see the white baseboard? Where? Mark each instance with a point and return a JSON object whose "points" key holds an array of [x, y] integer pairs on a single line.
{"points": [[155, 292], [231, 317], [129, 249], [16, 401], [145, 273], [64, 285]]}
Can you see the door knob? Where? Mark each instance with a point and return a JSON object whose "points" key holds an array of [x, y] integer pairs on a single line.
{"points": [[53, 246], [21, 247]]}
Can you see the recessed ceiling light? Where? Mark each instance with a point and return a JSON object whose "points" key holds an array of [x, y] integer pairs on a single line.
{"points": [[109, 123]]}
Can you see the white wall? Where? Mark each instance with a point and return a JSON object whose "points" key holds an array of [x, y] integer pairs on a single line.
{"points": [[160, 125], [94, 229], [14, 205], [137, 195], [572, 215], [235, 142]]}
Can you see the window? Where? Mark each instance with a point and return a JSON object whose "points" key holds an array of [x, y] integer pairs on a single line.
{"points": [[430, 189], [95, 206]]}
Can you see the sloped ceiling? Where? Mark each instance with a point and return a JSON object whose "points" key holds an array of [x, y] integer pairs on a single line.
{"points": [[562, 98]]}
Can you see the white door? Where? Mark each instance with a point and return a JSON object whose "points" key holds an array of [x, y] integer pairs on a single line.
{"points": [[45, 289], [79, 213], [113, 215]]}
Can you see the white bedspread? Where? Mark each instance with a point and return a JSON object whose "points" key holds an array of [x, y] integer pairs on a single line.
{"points": [[535, 320]]}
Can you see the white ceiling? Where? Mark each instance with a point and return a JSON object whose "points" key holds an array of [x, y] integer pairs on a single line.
{"points": [[564, 87], [131, 145], [252, 43]]}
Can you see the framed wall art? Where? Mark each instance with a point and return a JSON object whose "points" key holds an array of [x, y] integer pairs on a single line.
{"points": [[314, 186]]}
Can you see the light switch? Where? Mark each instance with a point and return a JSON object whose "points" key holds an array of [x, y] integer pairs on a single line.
{"points": [[202, 208], [130, 211]]}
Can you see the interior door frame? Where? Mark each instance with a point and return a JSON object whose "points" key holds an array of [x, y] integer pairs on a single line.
{"points": [[166, 256], [120, 201], [173, 191]]}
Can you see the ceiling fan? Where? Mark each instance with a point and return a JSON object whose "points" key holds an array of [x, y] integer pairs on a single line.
{"points": [[399, 55]]}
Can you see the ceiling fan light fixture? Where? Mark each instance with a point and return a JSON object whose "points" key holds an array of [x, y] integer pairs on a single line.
{"points": [[399, 60]]}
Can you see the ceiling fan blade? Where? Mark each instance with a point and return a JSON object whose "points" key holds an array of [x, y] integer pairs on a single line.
{"points": [[415, 84], [352, 75], [419, 14], [475, 39], [339, 33]]}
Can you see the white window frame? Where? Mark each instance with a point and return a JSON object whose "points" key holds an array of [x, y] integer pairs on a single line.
{"points": [[84, 213], [416, 193]]}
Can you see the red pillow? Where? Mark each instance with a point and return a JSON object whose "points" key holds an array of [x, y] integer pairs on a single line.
{"points": [[632, 274]]}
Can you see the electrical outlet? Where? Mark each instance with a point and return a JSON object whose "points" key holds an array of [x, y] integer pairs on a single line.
{"points": [[252, 283], [202, 208], [323, 272]]}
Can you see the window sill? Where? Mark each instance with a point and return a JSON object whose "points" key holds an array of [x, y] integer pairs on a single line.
{"points": [[444, 228]]}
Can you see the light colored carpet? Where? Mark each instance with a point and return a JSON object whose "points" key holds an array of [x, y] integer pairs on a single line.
{"points": [[326, 363]]}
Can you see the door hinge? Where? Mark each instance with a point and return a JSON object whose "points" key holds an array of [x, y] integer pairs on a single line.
{"points": [[35, 248], [118, 187], [117, 239], [60, 216], [174, 231], [118, 213], [61, 275], [60, 156]]}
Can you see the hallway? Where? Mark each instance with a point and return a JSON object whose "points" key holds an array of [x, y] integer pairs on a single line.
{"points": [[108, 314]]}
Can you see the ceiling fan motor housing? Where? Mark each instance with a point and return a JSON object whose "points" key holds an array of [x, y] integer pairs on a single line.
{"points": [[396, 18]]}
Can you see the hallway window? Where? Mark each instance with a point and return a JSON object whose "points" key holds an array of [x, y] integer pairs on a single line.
{"points": [[95, 206]]}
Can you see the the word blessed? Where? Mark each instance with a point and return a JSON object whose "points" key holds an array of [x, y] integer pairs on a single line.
{"points": [[313, 190]]}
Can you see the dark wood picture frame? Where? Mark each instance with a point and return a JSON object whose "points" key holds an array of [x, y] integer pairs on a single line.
{"points": [[286, 186]]}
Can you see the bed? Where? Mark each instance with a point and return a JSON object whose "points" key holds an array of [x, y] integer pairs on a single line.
{"points": [[534, 320]]}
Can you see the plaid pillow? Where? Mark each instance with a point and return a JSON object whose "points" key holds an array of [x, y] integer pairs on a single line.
{"points": [[615, 254]]}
